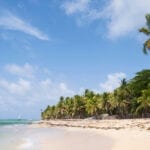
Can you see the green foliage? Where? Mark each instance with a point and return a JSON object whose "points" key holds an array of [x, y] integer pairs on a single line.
{"points": [[146, 31], [144, 102], [140, 82], [131, 99]]}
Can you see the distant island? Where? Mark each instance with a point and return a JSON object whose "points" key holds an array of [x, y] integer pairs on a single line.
{"points": [[130, 100]]}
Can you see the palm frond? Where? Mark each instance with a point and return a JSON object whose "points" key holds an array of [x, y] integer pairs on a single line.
{"points": [[145, 31], [148, 20], [146, 46]]}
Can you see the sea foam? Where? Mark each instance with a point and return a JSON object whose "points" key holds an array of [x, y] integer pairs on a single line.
{"points": [[26, 144]]}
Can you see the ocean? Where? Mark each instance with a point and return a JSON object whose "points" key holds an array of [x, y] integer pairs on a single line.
{"points": [[17, 134], [14, 121]]}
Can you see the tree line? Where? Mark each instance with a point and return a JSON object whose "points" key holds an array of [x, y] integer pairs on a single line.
{"points": [[130, 100]]}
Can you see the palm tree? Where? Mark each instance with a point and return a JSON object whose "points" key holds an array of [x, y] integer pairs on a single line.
{"points": [[123, 100], [144, 103], [79, 107], [105, 105], [146, 31], [113, 104], [68, 108], [92, 104], [60, 108], [123, 83]]}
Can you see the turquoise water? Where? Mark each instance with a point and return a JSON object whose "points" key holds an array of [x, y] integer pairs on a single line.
{"points": [[14, 121]]}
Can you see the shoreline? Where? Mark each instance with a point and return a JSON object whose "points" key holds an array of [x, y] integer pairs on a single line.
{"points": [[123, 134], [142, 124]]}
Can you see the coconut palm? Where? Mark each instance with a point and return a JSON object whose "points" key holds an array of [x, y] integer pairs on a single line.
{"points": [[79, 107], [59, 110], [146, 31], [144, 103], [92, 104], [105, 103]]}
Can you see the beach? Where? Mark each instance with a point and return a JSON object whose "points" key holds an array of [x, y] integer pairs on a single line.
{"points": [[84, 134], [33, 137], [99, 134], [77, 139]]}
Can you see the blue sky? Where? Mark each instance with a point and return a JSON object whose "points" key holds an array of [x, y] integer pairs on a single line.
{"points": [[54, 48]]}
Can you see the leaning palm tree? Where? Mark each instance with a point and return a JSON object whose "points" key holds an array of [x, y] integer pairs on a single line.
{"points": [[146, 31]]}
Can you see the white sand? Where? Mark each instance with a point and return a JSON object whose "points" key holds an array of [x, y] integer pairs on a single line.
{"points": [[128, 139], [99, 135], [78, 140], [123, 139]]}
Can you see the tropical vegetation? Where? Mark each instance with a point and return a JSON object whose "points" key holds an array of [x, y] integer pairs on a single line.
{"points": [[146, 31], [130, 100]]}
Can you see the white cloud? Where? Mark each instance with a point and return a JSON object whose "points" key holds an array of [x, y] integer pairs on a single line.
{"points": [[23, 71], [113, 81], [24, 95], [126, 16], [19, 87], [11, 22], [46, 83], [122, 16], [53, 89], [76, 6], [64, 88]]}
